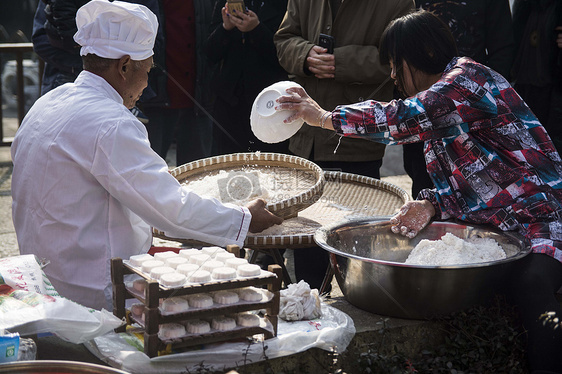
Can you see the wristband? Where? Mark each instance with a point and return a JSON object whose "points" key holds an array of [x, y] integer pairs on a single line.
{"points": [[324, 118]]}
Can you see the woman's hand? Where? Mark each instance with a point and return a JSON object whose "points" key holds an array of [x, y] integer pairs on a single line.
{"points": [[412, 218], [304, 107], [245, 22], [227, 19]]}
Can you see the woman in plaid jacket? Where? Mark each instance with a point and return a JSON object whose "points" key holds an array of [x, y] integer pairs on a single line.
{"points": [[490, 159]]}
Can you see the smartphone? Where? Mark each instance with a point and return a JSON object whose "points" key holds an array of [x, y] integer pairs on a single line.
{"points": [[327, 41], [236, 6]]}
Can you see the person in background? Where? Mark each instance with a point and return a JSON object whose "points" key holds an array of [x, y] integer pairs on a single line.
{"points": [[241, 47], [490, 160], [54, 43], [483, 31], [537, 70], [91, 188], [16, 21], [352, 72], [179, 111]]}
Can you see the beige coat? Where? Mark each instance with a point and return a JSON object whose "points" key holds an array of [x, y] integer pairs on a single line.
{"points": [[357, 30]]}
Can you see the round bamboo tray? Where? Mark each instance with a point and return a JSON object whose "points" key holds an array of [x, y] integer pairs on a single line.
{"points": [[346, 197], [302, 175]]}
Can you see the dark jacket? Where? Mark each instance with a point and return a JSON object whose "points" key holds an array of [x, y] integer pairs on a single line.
{"points": [[60, 24], [60, 54], [246, 63], [539, 60], [158, 78], [482, 29]]}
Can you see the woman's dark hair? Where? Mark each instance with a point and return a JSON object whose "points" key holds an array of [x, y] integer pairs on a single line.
{"points": [[419, 38]]}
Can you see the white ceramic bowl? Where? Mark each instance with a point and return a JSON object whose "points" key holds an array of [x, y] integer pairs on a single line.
{"points": [[266, 122]]}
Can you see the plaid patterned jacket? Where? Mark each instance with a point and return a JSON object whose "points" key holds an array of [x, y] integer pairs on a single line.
{"points": [[490, 159]]}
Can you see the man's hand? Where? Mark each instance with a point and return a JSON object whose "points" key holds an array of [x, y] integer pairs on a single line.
{"points": [[320, 63], [412, 218], [261, 217]]}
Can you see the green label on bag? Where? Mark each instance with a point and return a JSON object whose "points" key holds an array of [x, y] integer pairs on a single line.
{"points": [[9, 346], [10, 350]]}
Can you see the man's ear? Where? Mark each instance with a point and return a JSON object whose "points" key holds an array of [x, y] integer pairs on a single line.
{"points": [[124, 66]]}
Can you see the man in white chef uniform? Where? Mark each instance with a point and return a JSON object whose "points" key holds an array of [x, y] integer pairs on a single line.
{"points": [[86, 185]]}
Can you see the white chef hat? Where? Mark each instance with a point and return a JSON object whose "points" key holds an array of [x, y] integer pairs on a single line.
{"points": [[115, 29]]}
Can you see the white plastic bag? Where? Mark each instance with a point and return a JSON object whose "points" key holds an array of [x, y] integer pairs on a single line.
{"points": [[25, 273], [26, 309], [333, 331]]}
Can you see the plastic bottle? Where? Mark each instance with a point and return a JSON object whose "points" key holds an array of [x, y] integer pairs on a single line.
{"points": [[27, 350]]}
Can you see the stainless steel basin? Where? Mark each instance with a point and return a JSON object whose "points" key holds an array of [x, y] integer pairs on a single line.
{"points": [[368, 261], [56, 367]]}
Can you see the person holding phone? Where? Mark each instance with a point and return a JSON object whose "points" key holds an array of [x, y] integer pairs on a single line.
{"points": [[351, 73], [241, 47]]}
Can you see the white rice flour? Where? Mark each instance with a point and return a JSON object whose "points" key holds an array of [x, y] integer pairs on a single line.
{"points": [[452, 250]]}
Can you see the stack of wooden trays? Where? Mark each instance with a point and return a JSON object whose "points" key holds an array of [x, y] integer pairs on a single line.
{"points": [[154, 318]]}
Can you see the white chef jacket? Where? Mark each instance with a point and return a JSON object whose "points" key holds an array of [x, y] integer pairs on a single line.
{"points": [[86, 187]]}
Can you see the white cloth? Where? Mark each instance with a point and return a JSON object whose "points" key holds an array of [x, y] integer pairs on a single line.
{"points": [[299, 302], [115, 29], [86, 186]]}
